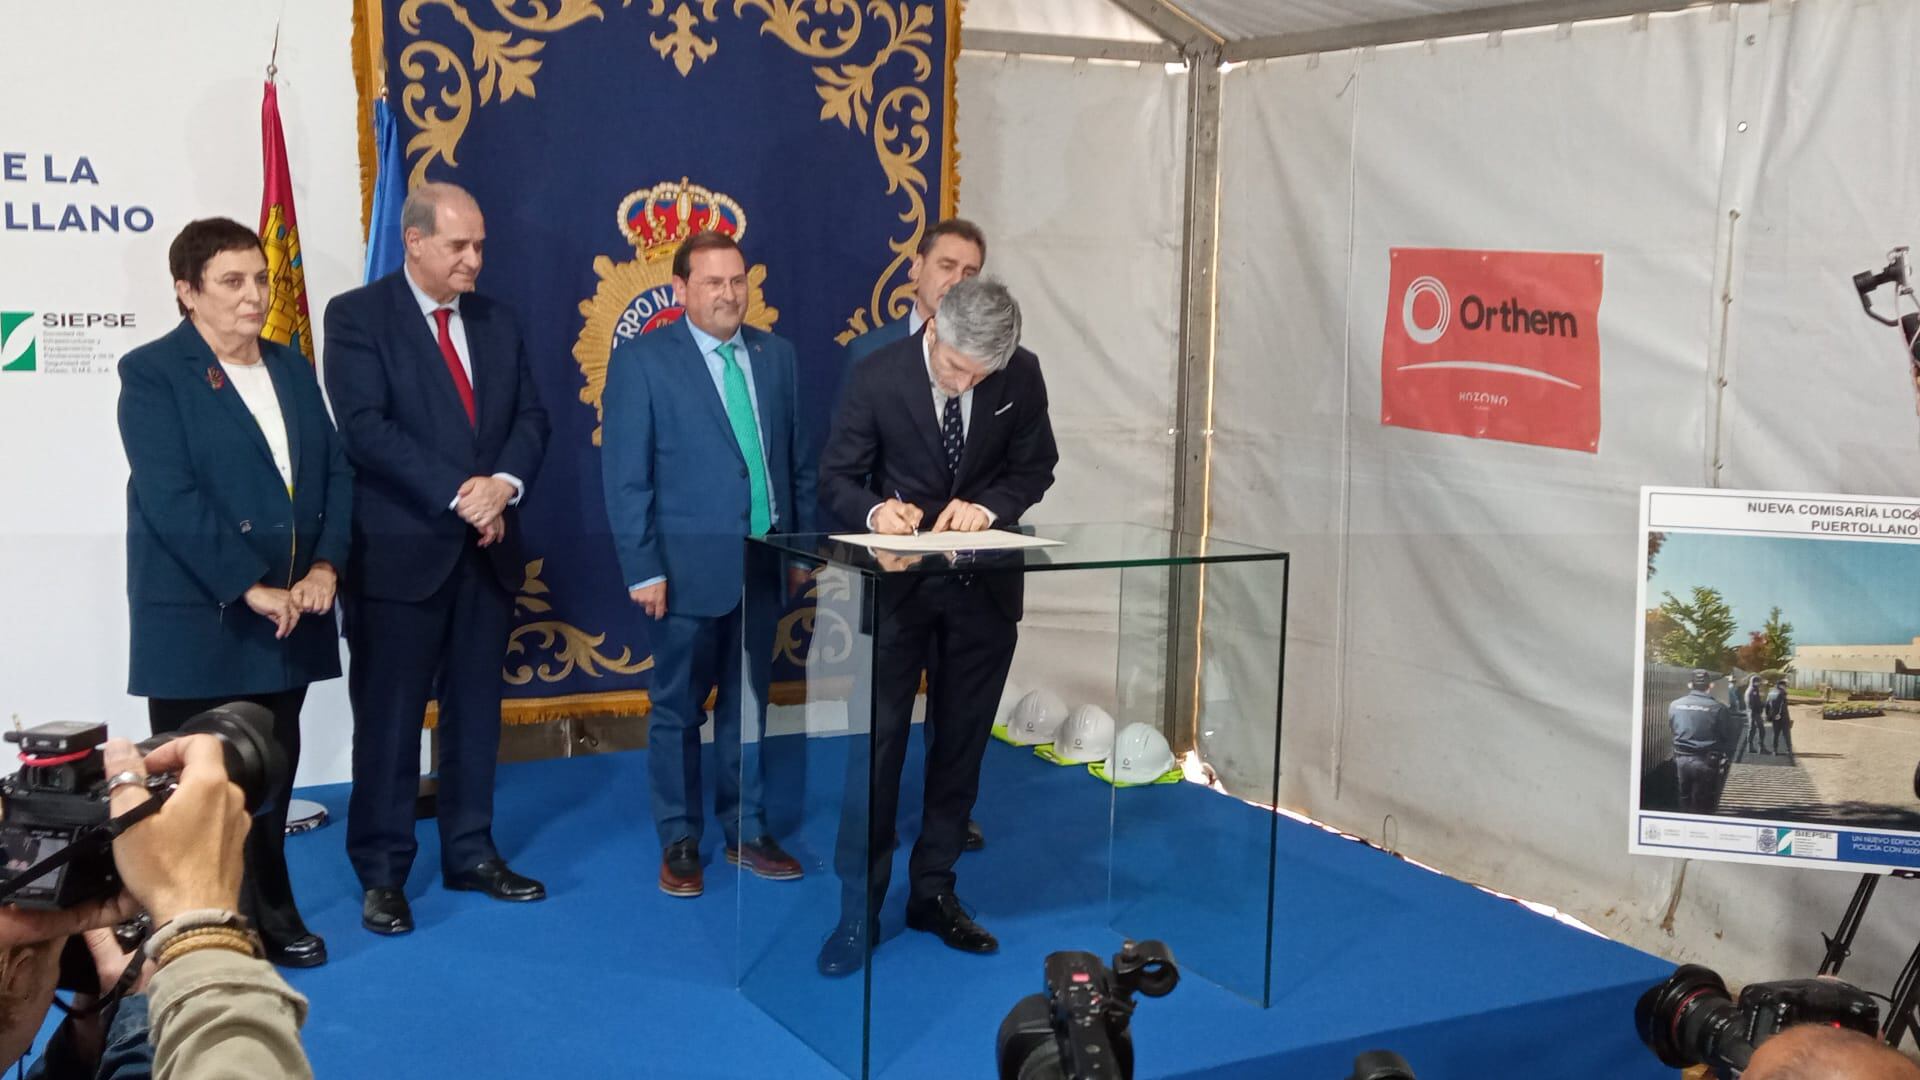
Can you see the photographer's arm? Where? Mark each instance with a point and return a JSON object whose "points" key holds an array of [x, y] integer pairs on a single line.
{"points": [[215, 1011]]}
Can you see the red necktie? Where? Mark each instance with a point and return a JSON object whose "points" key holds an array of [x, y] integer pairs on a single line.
{"points": [[454, 367]]}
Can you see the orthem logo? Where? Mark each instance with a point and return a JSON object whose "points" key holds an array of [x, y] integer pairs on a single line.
{"points": [[1493, 345], [18, 341], [1426, 286]]}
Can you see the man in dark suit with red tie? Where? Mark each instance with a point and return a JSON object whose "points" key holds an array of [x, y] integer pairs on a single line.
{"points": [[435, 402], [944, 430]]}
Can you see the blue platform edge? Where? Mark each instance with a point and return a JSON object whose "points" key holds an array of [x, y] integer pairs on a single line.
{"points": [[609, 977]]}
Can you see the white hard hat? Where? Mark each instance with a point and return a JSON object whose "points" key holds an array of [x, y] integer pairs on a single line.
{"points": [[1086, 736], [1036, 718], [1140, 755]]}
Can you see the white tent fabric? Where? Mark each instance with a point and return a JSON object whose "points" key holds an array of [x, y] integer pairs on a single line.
{"points": [[1463, 612], [1081, 202], [1077, 18], [1239, 19]]}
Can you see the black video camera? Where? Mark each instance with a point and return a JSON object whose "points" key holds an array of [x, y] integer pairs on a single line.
{"points": [[1077, 1030], [55, 837], [1690, 1019]]}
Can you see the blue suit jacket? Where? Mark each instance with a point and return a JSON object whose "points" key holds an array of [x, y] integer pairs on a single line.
{"points": [[208, 517], [409, 438], [674, 480]]}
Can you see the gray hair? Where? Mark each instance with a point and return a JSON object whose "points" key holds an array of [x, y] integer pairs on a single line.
{"points": [[981, 320], [422, 208]]}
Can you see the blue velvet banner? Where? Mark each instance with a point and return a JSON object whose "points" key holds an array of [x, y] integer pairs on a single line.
{"points": [[595, 134]]}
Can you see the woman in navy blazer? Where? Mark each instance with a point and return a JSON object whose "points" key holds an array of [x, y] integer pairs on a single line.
{"points": [[237, 525]]}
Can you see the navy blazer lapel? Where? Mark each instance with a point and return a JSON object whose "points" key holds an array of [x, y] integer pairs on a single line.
{"points": [[208, 372], [916, 397], [989, 395], [289, 405], [764, 392], [484, 376], [695, 364], [418, 336]]}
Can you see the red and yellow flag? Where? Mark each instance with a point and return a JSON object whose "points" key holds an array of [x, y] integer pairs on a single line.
{"points": [[287, 319]]}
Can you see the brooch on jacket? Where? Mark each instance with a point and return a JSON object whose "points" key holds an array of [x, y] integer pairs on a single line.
{"points": [[215, 377]]}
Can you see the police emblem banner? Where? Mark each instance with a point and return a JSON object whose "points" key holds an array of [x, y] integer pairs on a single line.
{"points": [[596, 134]]}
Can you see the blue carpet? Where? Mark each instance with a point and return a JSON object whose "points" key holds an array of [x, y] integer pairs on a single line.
{"points": [[609, 977]]}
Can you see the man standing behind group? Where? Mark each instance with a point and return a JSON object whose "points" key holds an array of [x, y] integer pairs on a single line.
{"points": [[435, 401], [952, 251], [944, 431], [701, 447]]}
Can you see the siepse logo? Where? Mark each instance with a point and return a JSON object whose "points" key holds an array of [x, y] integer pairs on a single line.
{"points": [[87, 320], [1511, 317]]}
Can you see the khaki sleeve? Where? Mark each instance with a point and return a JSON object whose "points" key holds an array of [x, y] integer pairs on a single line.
{"points": [[218, 1015]]}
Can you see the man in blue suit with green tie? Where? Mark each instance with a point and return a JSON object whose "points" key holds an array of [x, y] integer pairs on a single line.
{"points": [[701, 447]]}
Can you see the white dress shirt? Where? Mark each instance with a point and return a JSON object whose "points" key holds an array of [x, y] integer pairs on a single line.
{"points": [[940, 397], [457, 330], [255, 385]]}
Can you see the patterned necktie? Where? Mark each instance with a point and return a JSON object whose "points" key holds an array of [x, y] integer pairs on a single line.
{"points": [[746, 432], [455, 368], [952, 434]]}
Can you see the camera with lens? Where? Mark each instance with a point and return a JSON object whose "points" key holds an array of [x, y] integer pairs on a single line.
{"points": [[56, 807], [1690, 1019], [1077, 1029]]}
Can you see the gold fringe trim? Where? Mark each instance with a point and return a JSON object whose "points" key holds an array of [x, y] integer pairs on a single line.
{"points": [[636, 703], [369, 82], [950, 169]]}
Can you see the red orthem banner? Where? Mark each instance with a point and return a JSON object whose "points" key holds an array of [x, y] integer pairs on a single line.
{"points": [[1494, 345]]}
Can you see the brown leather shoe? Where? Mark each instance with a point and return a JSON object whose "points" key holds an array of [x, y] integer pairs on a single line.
{"points": [[764, 858], [680, 869]]}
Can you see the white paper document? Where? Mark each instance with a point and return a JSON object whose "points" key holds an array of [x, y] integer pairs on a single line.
{"points": [[989, 540]]}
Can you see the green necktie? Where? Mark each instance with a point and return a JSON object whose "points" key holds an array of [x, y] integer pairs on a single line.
{"points": [[746, 432]]}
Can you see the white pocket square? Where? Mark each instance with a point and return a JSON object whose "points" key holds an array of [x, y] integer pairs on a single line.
{"points": [[1003, 408]]}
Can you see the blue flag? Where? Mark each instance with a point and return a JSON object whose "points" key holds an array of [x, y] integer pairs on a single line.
{"points": [[384, 249]]}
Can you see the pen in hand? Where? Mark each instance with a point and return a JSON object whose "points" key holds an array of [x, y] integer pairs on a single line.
{"points": [[903, 502]]}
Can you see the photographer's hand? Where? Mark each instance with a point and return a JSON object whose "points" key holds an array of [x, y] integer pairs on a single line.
{"points": [[187, 856], [30, 943]]}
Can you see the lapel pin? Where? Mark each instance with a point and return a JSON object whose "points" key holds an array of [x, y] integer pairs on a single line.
{"points": [[215, 377]]}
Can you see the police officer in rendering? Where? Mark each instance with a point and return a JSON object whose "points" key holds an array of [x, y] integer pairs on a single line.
{"points": [[1704, 738]]}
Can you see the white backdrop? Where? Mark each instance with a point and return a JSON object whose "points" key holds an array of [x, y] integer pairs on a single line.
{"points": [[1463, 615], [166, 106]]}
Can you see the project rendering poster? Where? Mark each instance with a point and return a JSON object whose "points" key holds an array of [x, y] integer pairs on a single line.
{"points": [[1778, 698]]}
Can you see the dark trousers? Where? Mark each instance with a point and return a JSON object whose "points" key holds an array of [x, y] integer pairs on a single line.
{"points": [[266, 893], [1757, 733], [1782, 732], [1699, 783], [971, 643], [690, 655], [448, 648]]}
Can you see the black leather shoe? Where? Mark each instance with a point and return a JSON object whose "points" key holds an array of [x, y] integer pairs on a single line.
{"points": [[975, 838], [944, 917], [385, 911], [493, 878], [845, 950], [304, 951]]}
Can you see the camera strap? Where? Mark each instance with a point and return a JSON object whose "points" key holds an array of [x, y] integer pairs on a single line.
{"points": [[95, 839]]}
